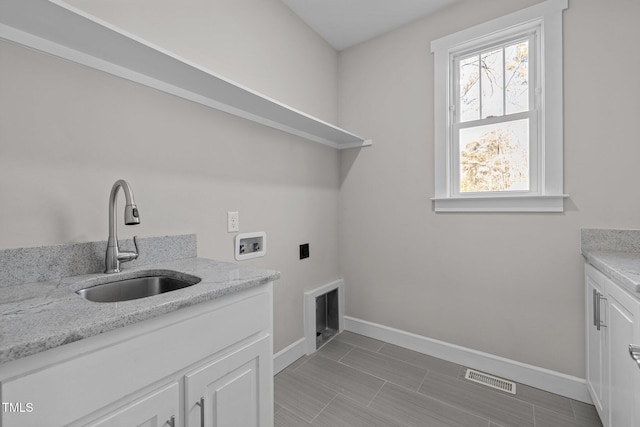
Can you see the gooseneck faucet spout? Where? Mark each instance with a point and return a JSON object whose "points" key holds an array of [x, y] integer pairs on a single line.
{"points": [[114, 257]]}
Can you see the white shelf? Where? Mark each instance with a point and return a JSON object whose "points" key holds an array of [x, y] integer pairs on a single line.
{"points": [[59, 29]]}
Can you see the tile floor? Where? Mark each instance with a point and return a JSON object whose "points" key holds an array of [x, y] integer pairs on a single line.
{"points": [[358, 381]]}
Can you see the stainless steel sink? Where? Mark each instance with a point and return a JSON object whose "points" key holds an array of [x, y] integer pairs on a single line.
{"points": [[134, 288]]}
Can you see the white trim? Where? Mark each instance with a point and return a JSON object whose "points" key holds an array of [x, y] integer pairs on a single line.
{"points": [[499, 25], [310, 311], [288, 355], [501, 204], [534, 376], [548, 198]]}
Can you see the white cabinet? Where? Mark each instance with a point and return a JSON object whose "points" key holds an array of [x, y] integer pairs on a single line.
{"points": [[155, 372], [623, 326], [596, 340], [226, 391], [613, 325]]}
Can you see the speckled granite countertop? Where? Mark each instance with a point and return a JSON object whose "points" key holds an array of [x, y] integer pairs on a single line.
{"points": [[616, 253], [38, 316], [623, 267]]}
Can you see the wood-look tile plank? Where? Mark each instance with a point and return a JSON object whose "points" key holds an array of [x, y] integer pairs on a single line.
{"points": [[385, 367], [344, 379], [335, 350], [552, 402], [344, 412], [284, 418], [547, 418], [535, 396], [417, 410], [478, 400], [419, 359], [301, 396], [357, 340], [586, 413], [445, 402], [297, 363]]}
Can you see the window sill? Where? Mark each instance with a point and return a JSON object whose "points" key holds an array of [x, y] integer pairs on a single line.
{"points": [[554, 203]]}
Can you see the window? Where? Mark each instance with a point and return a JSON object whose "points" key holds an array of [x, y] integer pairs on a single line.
{"points": [[498, 120]]}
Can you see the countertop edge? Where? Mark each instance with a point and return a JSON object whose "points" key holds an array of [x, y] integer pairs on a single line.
{"points": [[621, 267]]}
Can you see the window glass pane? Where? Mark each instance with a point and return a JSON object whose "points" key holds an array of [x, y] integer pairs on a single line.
{"points": [[495, 157], [492, 83], [470, 89], [517, 77]]}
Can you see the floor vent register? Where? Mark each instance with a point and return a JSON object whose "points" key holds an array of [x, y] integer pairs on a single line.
{"points": [[491, 381]]}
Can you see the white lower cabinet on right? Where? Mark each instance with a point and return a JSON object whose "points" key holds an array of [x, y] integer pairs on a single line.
{"points": [[613, 333]]}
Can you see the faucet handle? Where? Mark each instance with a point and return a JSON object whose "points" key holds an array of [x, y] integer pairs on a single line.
{"points": [[129, 256]]}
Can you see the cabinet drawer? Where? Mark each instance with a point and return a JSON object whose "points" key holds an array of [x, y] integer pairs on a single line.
{"points": [[100, 376]]}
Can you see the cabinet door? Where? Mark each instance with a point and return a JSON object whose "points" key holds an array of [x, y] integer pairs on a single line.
{"points": [[158, 409], [623, 328], [233, 391], [596, 341]]}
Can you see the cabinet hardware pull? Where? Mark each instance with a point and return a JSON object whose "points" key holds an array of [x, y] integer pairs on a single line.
{"points": [[600, 322], [595, 307], [634, 352], [172, 421], [201, 405]]}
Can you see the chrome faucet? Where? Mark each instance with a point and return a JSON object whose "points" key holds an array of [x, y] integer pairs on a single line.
{"points": [[114, 257]]}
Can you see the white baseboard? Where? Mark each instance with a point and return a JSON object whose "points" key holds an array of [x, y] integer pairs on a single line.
{"points": [[288, 355], [544, 379]]}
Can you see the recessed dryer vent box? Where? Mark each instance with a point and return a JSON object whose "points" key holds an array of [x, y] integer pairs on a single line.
{"points": [[251, 245]]}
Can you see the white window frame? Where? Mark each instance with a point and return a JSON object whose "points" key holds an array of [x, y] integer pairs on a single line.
{"points": [[546, 139]]}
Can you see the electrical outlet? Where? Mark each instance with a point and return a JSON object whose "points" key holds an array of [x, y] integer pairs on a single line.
{"points": [[304, 251], [233, 222]]}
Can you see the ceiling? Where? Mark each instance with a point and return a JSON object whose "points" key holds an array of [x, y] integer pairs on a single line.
{"points": [[344, 23]]}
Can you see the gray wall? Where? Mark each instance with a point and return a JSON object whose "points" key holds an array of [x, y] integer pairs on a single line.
{"points": [[506, 284], [68, 132]]}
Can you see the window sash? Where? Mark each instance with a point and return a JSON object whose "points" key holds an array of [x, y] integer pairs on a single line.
{"points": [[534, 155], [534, 79], [530, 35]]}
